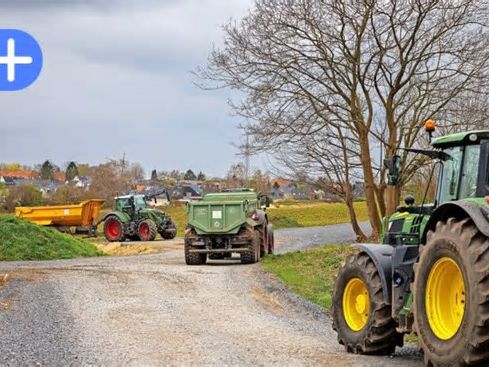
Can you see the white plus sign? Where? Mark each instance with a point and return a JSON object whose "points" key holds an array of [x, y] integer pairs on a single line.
{"points": [[11, 60]]}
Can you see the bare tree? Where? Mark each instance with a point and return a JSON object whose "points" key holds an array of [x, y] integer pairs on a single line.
{"points": [[373, 69], [136, 171]]}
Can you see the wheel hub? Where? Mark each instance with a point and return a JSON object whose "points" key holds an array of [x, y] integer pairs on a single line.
{"points": [[356, 304], [445, 298], [361, 303]]}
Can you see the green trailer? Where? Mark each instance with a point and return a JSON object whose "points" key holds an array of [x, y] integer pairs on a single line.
{"points": [[228, 222]]}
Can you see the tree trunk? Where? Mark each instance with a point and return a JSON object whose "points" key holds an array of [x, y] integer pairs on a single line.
{"points": [[360, 236], [380, 191], [373, 212], [391, 198]]}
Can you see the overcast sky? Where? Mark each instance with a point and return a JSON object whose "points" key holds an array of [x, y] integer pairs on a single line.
{"points": [[116, 79]]}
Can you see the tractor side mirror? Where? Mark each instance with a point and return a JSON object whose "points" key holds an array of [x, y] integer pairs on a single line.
{"points": [[393, 166]]}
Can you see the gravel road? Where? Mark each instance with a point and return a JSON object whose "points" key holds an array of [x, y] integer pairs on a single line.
{"points": [[153, 310], [293, 239]]}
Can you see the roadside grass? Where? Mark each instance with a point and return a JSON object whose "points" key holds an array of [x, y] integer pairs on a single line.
{"points": [[312, 214], [310, 273], [23, 240]]}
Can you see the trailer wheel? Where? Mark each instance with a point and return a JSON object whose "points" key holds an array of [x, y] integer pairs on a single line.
{"points": [[193, 258], [264, 240], [147, 230], [113, 229], [253, 255], [361, 317], [169, 235], [451, 295], [271, 240]]}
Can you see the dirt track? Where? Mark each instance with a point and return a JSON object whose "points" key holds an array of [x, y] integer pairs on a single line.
{"points": [[154, 310]]}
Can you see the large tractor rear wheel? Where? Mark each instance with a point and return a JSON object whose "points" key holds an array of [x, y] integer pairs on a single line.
{"points": [[271, 239], [451, 295], [147, 230], [113, 229], [253, 255], [361, 317], [193, 258]]}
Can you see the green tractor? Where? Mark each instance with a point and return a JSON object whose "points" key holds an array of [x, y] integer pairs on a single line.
{"points": [[134, 219], [430, 275], [227, 222]]}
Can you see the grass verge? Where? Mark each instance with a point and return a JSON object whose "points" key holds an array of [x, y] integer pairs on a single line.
{"points": [[23, 240], [312, 214], [310, 273]]}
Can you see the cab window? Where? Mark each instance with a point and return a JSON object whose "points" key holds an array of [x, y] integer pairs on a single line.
{"points": [[468, 186], [450, 175], [140, 203]]}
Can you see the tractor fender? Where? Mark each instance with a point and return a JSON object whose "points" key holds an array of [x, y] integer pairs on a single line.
{"points": [[262, 219], [459, 210], [381, 255], [124, 218]]}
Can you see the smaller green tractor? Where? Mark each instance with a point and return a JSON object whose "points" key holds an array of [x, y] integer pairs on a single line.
{"points": [[227, 222], [134, 219]]}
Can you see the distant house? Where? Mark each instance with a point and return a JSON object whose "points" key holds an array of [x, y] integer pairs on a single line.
{"points": [[82, 182], [276, 193], [25, 174], [282, 189], [59, 176], [47, 187], [7, 180], [302, 193]]}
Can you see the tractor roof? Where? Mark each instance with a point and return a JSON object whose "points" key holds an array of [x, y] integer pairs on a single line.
{"points": [[458, 139], [128, 196]]}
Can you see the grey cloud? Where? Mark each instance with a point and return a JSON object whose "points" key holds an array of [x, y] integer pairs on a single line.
{"points": [[116, 80]]}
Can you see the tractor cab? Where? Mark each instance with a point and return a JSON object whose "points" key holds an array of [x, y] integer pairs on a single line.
{"points": [[464, 166], [130, 203], [461, 172]]}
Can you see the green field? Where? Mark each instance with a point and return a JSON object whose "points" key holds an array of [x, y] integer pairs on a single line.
{"points": [[310, 273], [311, 214], [22, 240]]}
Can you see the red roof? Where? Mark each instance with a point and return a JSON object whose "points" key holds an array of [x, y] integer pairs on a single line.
{"points": [[20, 174], [59, 176]]}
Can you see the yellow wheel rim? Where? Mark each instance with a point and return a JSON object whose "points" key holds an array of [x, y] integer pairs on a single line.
{"points": [[445, 298], [356, 304]]}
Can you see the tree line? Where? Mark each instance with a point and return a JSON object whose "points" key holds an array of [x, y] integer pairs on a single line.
{"points": [[332, 87]]}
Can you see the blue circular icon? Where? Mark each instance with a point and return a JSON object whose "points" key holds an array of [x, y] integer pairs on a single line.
{"points": [[20, 59]]}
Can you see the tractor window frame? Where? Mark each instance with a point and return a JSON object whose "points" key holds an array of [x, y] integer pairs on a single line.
{"points": [[465, 177], [483, 175], [482, 179], [140, 203], [441, 197]]}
